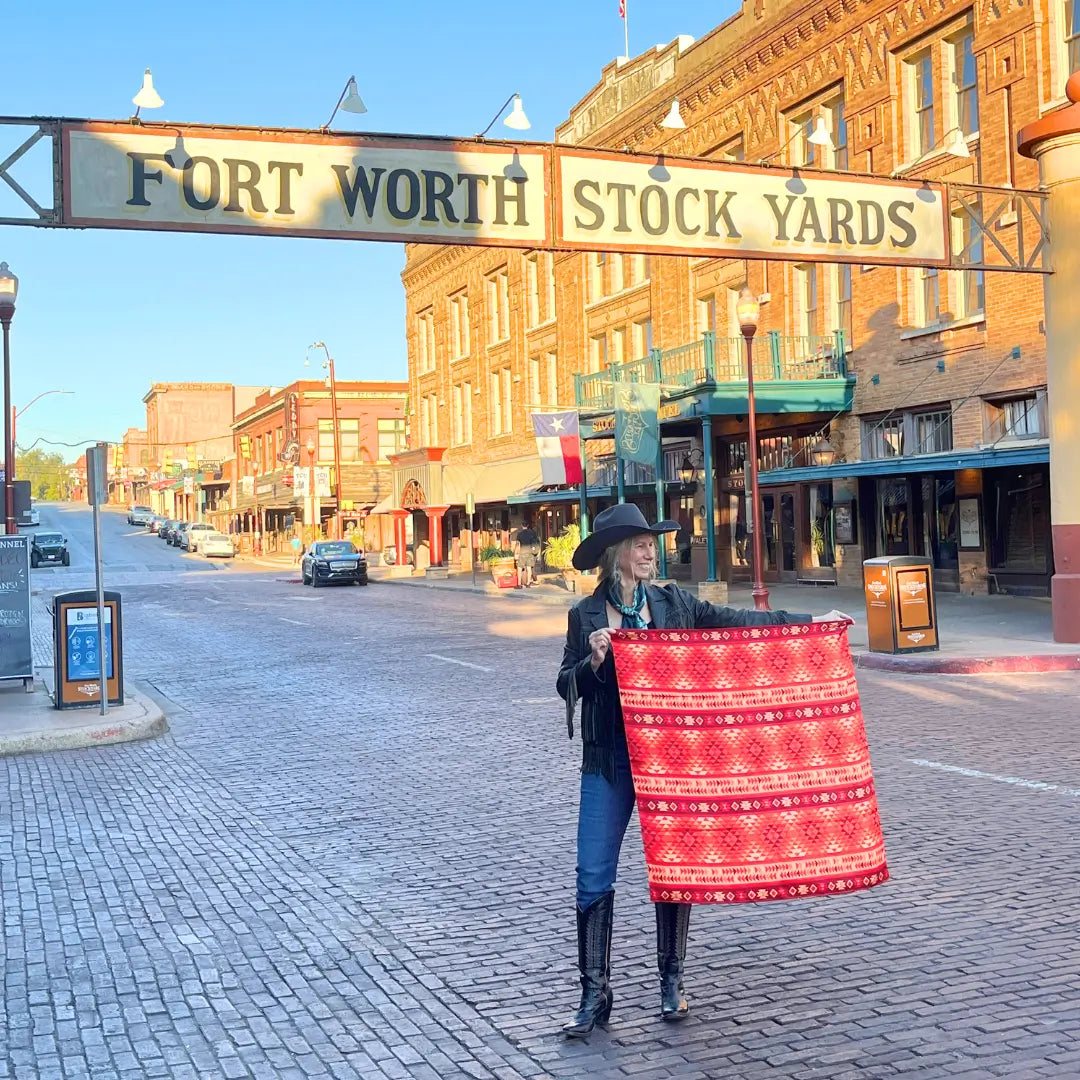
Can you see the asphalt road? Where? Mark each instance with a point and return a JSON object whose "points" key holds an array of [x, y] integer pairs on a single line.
{"points": [[353, 857]]}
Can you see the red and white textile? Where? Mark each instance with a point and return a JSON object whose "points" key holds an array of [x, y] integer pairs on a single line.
{"points": [[750, 762]]}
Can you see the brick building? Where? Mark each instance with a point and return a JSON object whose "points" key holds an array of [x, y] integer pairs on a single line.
{"points": [[926, 387], [293, 426], [189, 438]]}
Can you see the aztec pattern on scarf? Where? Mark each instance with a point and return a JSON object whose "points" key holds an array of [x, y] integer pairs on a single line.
{"points": [[750, 762]]}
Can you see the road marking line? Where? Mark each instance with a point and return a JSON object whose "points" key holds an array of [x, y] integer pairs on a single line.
{"points": [[1035, 785], [211, 600], [293, 621], [534, 700], [451, 660]]}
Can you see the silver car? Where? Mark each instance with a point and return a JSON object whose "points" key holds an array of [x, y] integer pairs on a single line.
{"points": [[190, 537]]}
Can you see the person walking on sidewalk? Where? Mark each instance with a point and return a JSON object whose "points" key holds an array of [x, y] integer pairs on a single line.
{"points": [[526, 551], [623, 545]]}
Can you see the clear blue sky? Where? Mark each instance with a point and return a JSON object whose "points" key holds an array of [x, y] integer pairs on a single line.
{"points": [[104, 314]]}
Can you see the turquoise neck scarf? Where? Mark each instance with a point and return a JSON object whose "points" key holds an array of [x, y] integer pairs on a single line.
{"points": [[631, 613]]}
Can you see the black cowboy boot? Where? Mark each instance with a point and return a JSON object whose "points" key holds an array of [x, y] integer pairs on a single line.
{"points": [[672, 924], [594, 963]]}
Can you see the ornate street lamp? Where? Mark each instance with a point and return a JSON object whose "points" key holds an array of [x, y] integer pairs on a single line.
{"points": [[9, 290], [748, 312], [823, 452]]}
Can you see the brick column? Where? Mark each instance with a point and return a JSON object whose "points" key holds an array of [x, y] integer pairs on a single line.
{"points": [[1054, 141]]}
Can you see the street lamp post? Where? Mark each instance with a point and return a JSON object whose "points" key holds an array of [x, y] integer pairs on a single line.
{"points": [[328, 364], [9, 290], [748, 311]]}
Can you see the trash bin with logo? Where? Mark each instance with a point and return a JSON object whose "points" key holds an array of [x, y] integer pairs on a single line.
{"points": [[901, 615], [77, 644]]}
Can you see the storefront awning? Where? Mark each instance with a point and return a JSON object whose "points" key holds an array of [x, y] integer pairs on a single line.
{"points": [[987, 458], [493, 482], [385, 505]]}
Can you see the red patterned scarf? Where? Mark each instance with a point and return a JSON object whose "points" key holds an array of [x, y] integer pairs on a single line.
{"points": [[750, 762]]}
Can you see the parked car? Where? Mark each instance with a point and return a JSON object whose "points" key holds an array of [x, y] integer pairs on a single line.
{"points": [[156, 523], [189, 541], [177, 532], [165, 528], [216, 545], [49, 548], [327, 561], [29, 518], [140, 515]]}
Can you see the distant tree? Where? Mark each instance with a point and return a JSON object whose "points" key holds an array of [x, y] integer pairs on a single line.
{"points": [[46, 472]]}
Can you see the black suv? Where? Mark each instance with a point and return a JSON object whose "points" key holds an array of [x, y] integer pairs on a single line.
{"points": [[49, 547]]}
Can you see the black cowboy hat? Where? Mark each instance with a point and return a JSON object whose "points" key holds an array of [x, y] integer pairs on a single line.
{"points": [[612, 525]]}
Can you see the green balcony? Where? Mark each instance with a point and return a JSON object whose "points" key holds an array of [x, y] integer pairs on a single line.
{"points": [[792, 373]]}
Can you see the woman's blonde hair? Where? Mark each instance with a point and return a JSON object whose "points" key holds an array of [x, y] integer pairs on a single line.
{"points": [[608, 567]]}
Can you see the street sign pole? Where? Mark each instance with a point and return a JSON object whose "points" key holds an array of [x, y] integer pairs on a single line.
{"points": [[96, 472], [470, 510]]}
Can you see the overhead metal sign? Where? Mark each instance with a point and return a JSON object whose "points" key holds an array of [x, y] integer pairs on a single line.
{"points": [[124, 175]]}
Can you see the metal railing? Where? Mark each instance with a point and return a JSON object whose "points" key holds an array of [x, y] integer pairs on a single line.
{"points": [[710, 359]]}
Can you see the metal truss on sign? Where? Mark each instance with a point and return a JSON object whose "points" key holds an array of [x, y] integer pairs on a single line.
{"points": [[996, 228], [45, 128]]}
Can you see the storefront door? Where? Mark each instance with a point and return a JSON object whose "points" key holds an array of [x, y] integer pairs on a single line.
{"points": [[779, 534]]}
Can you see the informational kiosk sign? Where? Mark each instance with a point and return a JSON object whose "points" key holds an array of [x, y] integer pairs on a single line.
{"points": [[77, 646], [16, 651]]}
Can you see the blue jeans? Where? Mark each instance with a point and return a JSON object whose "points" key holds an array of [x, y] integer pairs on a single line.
{"points": [[603, 815]]}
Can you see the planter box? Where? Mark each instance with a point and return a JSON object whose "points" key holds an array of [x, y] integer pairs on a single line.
{"points": [[504, 573]]}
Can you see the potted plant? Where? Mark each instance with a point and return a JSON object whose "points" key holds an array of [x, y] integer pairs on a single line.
{"points": [[499, 560], [559, 553]]}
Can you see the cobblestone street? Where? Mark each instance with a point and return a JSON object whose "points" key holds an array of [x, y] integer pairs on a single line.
{"points": [[353, 857]]}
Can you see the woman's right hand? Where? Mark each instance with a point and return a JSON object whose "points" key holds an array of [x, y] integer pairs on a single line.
{"points": [[599, 643]]}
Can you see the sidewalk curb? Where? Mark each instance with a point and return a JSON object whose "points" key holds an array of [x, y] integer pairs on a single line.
{"points": [[50, 729], [522, 595], [925, 664]]}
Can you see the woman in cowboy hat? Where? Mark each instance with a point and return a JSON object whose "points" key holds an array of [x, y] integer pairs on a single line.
{"points": [[623, 546]]}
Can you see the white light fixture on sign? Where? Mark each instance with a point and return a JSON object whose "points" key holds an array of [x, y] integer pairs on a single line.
{"points": [[147, 97], [517, 120], [957, 146], [349, 101], [674, 118], [820, 135]]}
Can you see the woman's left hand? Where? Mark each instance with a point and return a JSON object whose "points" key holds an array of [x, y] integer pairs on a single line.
{"points": [[834, 616]]}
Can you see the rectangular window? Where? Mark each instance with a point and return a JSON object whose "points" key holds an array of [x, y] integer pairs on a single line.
{"points": [[618, 277], [532, 288], [843, 302], [1072, 33], [391, 437], [928, 296], [326, 442], [349, 439], [644, 267], [618, 345], [536, 393], [500, 403], [966, 103], [459, 325], [549, 286], [970, 284], [597, 262], [642, 331], [461, 414], [932, 432], [922, 71], [733, 150], [425, 341], [551, 378], [837, 124], [706, 314], [1018, 418], [598, 358], [498, 290], [883, 438], [806, 281]]}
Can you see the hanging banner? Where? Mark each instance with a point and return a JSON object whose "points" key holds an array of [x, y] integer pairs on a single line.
{"points": [[322, 482], [622, 202], [637, 429], [300, 475], [297, 183]]}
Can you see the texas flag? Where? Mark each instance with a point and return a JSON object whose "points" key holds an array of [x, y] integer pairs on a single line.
{"points": [[558, 446], [622, 9]]}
